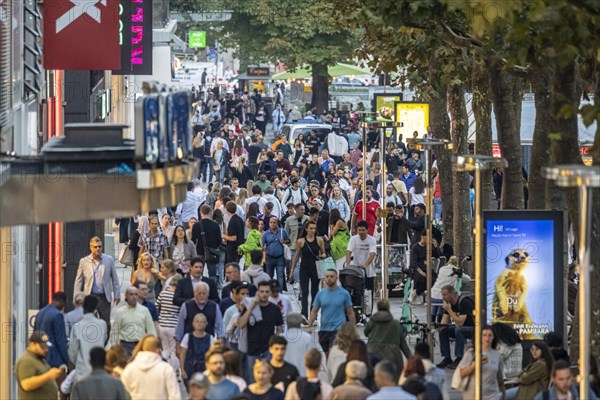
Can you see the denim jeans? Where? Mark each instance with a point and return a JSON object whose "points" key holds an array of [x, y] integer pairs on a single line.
{"points": [[276, 265], [436, 309], [297, 270], [208, 164], [437, 207], [461, 333]]}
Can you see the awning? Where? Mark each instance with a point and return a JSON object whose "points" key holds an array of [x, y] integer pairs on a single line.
{"points": [[245, 77], [340, 69], [38, 198]]}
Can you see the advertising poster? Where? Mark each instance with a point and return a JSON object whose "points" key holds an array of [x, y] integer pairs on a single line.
{"points": [[386, 100], [523, 259], [414, 116]]}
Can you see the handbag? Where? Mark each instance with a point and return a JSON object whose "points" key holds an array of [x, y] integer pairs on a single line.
{"points": [[287, 252], [459, 383], [210, 256], [126, 256], [319, 263]]}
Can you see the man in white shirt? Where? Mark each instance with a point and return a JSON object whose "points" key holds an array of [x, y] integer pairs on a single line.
{"points": [[256, 198], [189, 207], [361, 252]]}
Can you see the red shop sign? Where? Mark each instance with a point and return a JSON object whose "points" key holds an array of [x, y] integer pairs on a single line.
{"points": [[81, 34]]}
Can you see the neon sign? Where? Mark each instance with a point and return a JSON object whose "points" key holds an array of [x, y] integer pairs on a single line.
{"points": [[135, 34]]}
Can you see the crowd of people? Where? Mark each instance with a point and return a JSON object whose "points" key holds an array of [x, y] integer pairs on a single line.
{"points": [[208, 313]]}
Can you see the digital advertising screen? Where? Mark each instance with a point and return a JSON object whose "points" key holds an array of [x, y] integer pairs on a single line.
{"points": [[524, 267], [414, 116]]}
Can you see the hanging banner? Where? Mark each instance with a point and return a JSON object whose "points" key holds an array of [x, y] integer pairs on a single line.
{"points": [[523, 269], [135, 38], [81, 34]]}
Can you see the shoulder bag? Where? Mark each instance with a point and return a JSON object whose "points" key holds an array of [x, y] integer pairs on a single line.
{"points": [[126, 255], [287, 252], [210, 256]]}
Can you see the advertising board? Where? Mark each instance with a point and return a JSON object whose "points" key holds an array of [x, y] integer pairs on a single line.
{"points": [[414, 116], [524, 264]]}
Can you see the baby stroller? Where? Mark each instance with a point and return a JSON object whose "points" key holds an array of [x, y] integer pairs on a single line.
{"points": [[353, 280]]}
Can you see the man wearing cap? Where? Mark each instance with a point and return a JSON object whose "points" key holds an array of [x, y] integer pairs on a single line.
{"points": [[51, 321], [199, 385], [86, 334], [96, 275], [35, 377]]}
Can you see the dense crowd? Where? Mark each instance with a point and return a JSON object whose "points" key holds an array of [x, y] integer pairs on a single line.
{"points": [[208, 312]]}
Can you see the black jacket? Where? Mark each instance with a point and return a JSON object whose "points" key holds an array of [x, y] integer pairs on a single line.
{"points": [[185, 291], [212, 234]]}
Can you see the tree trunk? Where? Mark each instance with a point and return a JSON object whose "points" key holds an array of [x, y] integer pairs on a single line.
{"points": [[459, 127], [440, 126], [595, 236], [320, 88], [505, 97], [540, 79], [482, 112]]}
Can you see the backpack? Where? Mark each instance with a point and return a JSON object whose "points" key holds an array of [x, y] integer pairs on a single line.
{"points": [[308, 390]]}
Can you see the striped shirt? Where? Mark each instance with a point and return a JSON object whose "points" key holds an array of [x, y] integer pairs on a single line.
{"points": [[168, 313]]}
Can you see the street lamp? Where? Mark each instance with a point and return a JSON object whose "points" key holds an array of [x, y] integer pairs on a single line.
{"points": [[363, 115], [584, 178], [428, 145], [478, 163], [382, 210]]}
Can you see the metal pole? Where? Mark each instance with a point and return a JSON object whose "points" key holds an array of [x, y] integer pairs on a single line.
{"points": [[479, 289], [429, 227], [585, 200], [383, 213]]}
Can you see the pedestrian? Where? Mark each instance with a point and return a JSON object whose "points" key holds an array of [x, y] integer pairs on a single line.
{"points": [[294, 226], [312, 249], [262, 389], [535, 377], [147, 376], [338, 353], [96, 275], [387, 336], [142, 288], [99, 384], [356, 352], [433, 374], [182, 250], [353, 388], [253, 241], [335, 305], [206, 236], [146, 273], [492, 381], [372, 206], [273, 241], [386, 380], [283, 373], [361, 252], [563, 386], [200, 304], [459, 311], [235, 233], [281, 300], [168, 315], [414, 374], [298, 343], [261, 319], [309, 386], [220, 387], [255, 273], [88, 333], [74, 315], [185, 287], [116, 360], [511, 349], [132, 322], [155, 241], [194, 346], [35, 378], [199, 386], [50, 320]]}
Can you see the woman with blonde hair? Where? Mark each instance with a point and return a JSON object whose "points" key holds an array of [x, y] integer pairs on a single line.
{"points": [[147, 273], [242, 196], [262, 387], [447, 275], [339, 350], [242, 172]]}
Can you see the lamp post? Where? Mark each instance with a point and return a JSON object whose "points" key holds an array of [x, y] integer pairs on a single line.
{"points": [[478, 163], [383, 210], [428, 145], [584, 178], [364, 124]]}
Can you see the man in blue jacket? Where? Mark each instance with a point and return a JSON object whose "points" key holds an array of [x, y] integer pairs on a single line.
{"points": [[51, 320]]}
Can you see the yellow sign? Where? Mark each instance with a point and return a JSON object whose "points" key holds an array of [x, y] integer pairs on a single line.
{"points": [[414, 116]]}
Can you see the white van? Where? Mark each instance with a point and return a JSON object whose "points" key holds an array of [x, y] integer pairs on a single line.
{"points": [[303, 128]]}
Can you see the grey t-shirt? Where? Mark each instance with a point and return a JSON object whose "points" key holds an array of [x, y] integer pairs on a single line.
{"points": [[491, 374]]}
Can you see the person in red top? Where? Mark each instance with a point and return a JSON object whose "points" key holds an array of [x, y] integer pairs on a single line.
{"points": [[437, 195], [372, 207]]}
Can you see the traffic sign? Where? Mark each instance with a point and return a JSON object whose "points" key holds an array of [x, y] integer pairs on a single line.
{"points": [[197, 39]]}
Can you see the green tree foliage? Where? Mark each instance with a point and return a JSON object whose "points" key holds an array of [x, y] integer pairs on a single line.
{"points": [[294, 33]]}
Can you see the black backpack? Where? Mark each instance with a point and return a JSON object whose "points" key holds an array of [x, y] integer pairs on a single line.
{"points": [[308, 390]]}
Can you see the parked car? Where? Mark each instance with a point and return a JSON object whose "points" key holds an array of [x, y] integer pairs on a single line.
{"points": [[302, 127]]}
